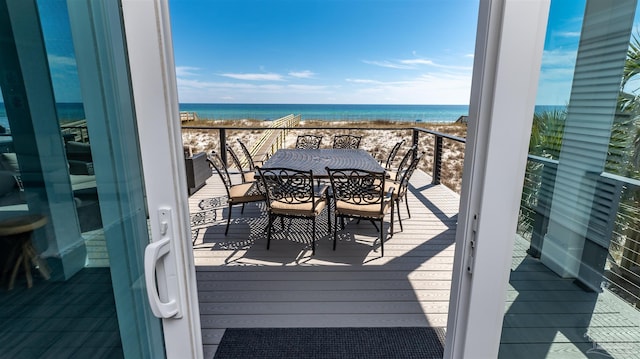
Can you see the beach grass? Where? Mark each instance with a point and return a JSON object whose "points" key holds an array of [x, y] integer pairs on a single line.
{"points": [[378, 137]]}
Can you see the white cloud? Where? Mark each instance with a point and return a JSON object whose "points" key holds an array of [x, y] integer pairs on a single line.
{"points": [[428, 88], [254, 77], [440, 86], [388, 64], [417, 62], [556, 77], [413, 64], [186, 71], [306, 74], [364, 81], [568, 33]]}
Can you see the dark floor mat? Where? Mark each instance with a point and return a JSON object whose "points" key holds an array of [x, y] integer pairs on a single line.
{"points": [[315, 343]]}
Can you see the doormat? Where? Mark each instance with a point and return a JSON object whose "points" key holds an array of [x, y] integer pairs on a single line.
{"points": [[317, 343]]}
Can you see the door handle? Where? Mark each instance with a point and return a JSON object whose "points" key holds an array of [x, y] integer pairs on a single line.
{"points": [[152, 255]]}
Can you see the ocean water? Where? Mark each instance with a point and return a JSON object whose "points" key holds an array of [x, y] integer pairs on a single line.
{"points": [[400, 113]]}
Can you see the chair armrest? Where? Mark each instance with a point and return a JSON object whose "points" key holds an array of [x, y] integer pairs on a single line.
{"points": [[390, 192], [321, 190]]}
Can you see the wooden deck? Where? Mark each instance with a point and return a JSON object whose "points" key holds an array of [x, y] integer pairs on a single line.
{"points": [[241, 284], [551, 317]]}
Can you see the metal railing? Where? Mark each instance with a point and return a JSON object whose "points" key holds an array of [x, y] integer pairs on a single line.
{"points": [[417, 134], [612, 235]]}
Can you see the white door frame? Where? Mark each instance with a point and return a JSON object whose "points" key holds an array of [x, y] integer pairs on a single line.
{"points": [[508, 54], [505, 81], [153, 79]]}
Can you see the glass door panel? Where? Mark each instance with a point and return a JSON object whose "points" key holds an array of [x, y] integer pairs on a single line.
{"points": [[574, 285], [73, 282]]}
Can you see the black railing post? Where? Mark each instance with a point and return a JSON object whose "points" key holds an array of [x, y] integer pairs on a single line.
{"points": [[223, 146], [415, 137], [437, 160]]}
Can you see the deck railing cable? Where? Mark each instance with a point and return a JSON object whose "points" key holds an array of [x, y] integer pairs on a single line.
{"points": [[278, 142]]}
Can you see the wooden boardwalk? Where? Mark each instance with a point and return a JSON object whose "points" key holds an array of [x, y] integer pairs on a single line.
{"points": [[241, 284]]}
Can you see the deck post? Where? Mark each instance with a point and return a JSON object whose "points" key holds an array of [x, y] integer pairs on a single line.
{"points": [[223, 146], [437, 159]]}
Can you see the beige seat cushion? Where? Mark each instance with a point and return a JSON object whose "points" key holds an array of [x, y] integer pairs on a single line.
{"points": [[362, 210], [396, 189], [250, 176], [298, 209], [243, 193]]}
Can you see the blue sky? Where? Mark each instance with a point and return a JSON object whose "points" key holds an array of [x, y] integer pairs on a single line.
{"points": [[328, 51], [324, 51]]}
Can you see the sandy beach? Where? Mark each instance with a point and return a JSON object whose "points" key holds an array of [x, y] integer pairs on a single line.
{"points": [[377, 142]]}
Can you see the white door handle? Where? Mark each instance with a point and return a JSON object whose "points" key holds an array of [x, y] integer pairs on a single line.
{"points": [[152, 254]]}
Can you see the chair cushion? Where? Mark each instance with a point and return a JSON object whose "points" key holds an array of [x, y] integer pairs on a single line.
{"points": [[249, 176], [396, 189], [298, 209], [362, 210], [246, 192], [393, 175]]}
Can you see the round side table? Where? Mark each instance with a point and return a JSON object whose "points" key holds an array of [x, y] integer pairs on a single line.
{"points": [[16, 233]]}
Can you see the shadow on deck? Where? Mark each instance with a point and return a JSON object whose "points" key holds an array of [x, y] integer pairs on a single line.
{"points": [[242, 284]]}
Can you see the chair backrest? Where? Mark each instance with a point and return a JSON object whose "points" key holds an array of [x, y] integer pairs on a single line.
{"points": [[247, 155], [346, 141], [216, 163], [357, 187], [404, 163], [392, 154], [406, 175], [287, 186], [236, 162], [308, 142]]}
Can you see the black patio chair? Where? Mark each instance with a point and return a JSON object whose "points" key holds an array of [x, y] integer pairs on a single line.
{"points": [[396, 173], [248, 157], [401, 186], [392, 155], [308, 142], [361, 194], [346, 141], [238, 194], [248, 175], [291, 194]]}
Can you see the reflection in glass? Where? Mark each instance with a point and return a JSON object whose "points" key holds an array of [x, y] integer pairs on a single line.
{"points": [[574, 285]]}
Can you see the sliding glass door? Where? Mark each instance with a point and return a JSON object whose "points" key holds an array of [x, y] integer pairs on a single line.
{"points": [[83, 254]]}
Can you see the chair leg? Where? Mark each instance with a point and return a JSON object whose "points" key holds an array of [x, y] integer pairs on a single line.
{"points": [[390, 228], [228, 220], [242, 210], [399, 216], [313, 237], [406, 201], [392, 231], [335, 231], [328, 218], [269, 224], [374, 224], [382, 236]]}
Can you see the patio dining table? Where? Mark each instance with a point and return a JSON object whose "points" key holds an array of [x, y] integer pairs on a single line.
{"points": [[318, 159]]}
